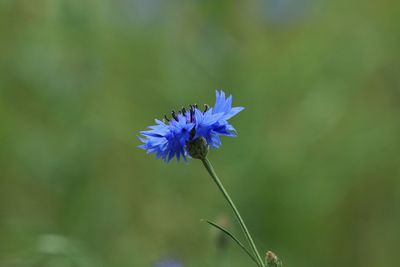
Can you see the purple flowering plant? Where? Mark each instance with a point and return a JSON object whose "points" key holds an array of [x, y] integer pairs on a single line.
{"points": [[168, 263], [169, 138], [191, 132]]}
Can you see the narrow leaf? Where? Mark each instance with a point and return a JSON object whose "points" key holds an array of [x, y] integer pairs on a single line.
{"points": [[225, 231]]}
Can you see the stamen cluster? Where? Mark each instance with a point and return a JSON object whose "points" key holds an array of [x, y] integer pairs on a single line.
{"points": [[187, 112]]}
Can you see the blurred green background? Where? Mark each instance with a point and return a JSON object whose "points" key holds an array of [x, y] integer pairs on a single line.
{"points": [[314, 170]]}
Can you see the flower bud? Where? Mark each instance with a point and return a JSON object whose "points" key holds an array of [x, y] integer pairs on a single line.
{"points": [[272, 260], [198, 148]]}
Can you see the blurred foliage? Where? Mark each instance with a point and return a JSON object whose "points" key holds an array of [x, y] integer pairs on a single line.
{"points": [[314, 170]]}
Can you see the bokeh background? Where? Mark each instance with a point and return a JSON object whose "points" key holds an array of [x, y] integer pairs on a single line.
{"points": [[314, 170]]}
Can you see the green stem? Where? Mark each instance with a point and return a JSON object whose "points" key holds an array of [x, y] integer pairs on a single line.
{"points": [[218, 182]]}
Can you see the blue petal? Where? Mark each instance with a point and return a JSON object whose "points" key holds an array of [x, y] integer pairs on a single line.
{"points": [[232, 112]]}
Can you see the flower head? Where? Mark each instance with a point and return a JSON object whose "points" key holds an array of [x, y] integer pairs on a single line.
{"points": [[169, 138]]}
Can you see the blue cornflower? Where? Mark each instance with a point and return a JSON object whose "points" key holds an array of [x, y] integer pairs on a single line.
{"points": [[169, 138], [168, 263]]}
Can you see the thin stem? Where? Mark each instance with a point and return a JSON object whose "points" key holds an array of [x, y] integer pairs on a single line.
{"points": [[220, 186]]}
